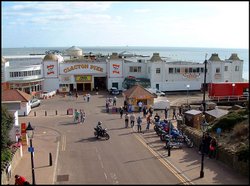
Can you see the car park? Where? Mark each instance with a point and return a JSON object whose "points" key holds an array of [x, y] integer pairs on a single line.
{"points": [[35, 102]]}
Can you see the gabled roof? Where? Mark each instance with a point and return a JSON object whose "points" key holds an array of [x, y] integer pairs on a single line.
{"points": [[217, 113], [193, 112], [15, 95], [137, 91]]}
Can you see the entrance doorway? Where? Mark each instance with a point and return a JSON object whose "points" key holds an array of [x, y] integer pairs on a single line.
{"points": [[79, 86], [100, 82], [115, 85], [87, 86]]}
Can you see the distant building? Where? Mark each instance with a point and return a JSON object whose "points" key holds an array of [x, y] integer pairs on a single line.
{"points": [[75, 71]]}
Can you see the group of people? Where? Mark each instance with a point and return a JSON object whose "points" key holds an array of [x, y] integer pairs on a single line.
{"points": [[79, 117], [109, 102], [208, 145]]}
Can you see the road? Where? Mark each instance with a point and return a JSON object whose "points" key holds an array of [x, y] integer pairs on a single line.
{"points": [[82, 159]]}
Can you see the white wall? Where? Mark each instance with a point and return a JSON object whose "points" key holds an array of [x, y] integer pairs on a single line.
{"points": [[25, 108]]}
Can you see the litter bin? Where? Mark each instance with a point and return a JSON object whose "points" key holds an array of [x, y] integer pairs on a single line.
{"points": [[70, 111]]}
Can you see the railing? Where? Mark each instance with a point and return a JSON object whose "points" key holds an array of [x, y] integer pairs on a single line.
{"points": [[228, 98]]}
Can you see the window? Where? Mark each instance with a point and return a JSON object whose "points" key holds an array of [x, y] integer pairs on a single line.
{"points": [[198, 70], [226, 68], [158, 70], [186, 70], [217, 70], [171, 70], [194, 70], [237, 68], [135, 69], [177, 70], [202, 70], [190, 70]]}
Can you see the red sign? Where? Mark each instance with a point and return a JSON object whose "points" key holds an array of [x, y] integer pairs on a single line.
{"points": [[23, 133]]}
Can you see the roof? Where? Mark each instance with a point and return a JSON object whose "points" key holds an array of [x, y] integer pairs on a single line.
{"points": [[50, 57], [234, 56], [15, 95], [214, 57], [137, 91], [193, 112], [156, 57], [73, 48], [217, 113]]}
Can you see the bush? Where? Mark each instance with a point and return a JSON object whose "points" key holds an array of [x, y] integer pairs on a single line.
{"points": [[228, 122], [5, 156], [243, 153]]}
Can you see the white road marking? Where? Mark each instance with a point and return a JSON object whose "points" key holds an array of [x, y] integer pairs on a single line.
{"points": [[56, 159], [106, 177]]}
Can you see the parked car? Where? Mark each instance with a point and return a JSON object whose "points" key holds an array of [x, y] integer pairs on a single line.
{"points": [[35, 102], [155, 91], [114, 91]]}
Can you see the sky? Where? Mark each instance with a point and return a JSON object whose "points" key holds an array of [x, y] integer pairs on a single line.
{"points": [[108, 23]]}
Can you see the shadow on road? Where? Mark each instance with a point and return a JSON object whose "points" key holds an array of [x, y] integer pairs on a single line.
{"points": [[90, 139]]}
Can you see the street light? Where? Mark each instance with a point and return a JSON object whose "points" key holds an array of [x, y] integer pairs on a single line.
{"points": [[204, 127], [30, 133], [187, 93], [204, 86]]}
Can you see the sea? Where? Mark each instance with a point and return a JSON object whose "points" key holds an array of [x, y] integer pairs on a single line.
{"points": [[191, 54]]}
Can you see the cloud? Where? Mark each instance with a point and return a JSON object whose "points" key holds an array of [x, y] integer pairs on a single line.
{"points": [[144, 10]]}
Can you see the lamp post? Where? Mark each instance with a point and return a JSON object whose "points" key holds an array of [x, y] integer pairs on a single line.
{"points": [[204, 126], [30, 133], [187, 93], [204, 86]]}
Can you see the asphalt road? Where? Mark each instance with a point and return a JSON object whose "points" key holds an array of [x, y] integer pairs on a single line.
{"points": [[82, 159]]}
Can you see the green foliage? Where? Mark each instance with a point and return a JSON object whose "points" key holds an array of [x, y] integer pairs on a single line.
{"points": [[6, 125], [5, 156], [243, 153], [228, 122]]}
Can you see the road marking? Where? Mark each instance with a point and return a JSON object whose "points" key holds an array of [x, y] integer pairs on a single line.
{"points": [[106, 177], [56, 159], [63, 143], [159, 157]]}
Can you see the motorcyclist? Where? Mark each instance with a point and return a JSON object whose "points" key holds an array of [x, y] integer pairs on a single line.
{"points": [[99, 128]]}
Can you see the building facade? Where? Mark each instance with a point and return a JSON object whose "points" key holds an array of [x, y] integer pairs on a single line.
{"points": [[68, 73]]}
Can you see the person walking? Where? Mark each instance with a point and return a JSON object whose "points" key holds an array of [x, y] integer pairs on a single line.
{"points": [[212, 148], [148, 122], [166, 112], [88, 97], [114, 101], [121, 112], [20, 180], [76, 116], [132, 120], [126, 120], [139, 122], [140, 106], [82, 116], [174, 114], [144, 110]]}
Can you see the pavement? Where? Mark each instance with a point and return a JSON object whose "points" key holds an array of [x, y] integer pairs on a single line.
{"points": [[185, 161]]}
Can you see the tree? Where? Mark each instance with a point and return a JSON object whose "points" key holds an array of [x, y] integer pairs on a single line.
{"points": [[6, 125]]}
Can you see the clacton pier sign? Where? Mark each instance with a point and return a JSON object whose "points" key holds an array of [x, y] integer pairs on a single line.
{"points": [[82, 68]]}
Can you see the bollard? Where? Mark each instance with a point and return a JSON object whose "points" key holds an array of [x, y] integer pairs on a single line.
{"points": [[67, 111], [169, 150], [56, 112], [24, 114], [34, 113], [50, 159], [45, 113]]}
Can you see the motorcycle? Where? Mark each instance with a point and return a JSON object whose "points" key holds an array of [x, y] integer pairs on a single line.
{"points": [[176, 139], [102, 134]]}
